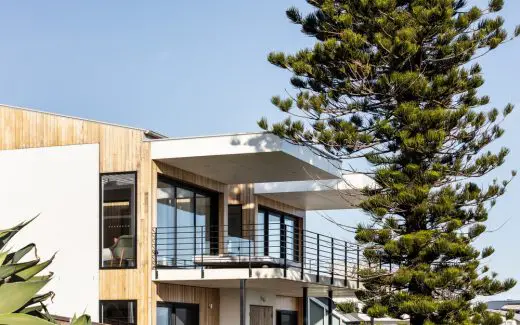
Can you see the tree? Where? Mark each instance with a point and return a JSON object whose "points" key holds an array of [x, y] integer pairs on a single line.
{"points": [[20, 283], [395, 82]]}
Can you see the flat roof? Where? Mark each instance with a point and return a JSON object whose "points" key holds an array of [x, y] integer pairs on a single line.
{"points": [[324, 194], [245, 158]]}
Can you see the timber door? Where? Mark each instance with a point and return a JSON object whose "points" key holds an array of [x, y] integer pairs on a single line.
{"points": [[261, 315]]}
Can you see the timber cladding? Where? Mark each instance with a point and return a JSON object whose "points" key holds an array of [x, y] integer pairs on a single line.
{"points": [[207, 298]]}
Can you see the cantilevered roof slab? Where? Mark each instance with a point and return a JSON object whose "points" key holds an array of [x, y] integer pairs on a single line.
{"points": [[245, 158], [333, 194]]}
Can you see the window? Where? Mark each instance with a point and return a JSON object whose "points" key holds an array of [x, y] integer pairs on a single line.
{"points": [[118, 312], [118, 220], [286, 317], [177, 314], [187, 223], [235, 220], [282, 234]]}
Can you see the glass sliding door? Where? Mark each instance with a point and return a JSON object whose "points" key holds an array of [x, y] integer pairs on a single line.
{"points": [[290, 238], [177, 314], [274, 235], [185, 225], [166, 236], [186, 217], [260, 234]]}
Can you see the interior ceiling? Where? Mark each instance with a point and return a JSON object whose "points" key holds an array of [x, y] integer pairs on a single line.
{"points": [[250, 168]]}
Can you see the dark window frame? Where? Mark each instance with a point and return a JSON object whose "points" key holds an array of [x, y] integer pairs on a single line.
{"points": [[214, 209], [101, 267], [297, 240], [173, 305], [280, 312], [114, 301]]}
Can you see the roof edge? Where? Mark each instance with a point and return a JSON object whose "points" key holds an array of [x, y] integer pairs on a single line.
{"points": [[151, 133]]}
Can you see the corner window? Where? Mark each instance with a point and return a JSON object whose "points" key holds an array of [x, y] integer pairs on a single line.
{"points": [[118, 220], [177, 314], [118, 312]]}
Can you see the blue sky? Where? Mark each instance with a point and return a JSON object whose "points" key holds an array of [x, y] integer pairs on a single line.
{"points": [[199, 67]]}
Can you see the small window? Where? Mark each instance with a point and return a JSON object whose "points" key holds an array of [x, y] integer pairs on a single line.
{"points": [[118, 312], [118, 220], [177, 314], [235, 220]]}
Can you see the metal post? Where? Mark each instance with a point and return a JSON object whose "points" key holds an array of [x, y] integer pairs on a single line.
{"points": [[155, 252], [332, 260], [284, 249], [317, 257], [305, 306], [346, 264], [202, 251], [302, 260], [330, 306], [358, 266], [250, 269], [242, 302]]}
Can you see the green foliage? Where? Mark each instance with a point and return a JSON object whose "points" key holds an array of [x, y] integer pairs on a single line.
{"points": [[396, 82], [20, 283], [347, 307]]}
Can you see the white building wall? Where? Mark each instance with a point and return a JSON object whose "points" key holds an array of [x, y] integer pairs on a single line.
{"points": [[230, 304], [62, 184]]}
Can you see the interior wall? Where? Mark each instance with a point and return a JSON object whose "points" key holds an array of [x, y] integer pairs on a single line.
{"points": [[62, 185]]}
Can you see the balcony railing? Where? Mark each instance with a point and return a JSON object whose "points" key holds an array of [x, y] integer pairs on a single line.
{"points": [[276, 245]]}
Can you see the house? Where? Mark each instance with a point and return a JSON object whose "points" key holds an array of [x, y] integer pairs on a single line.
{"points": [[502, 307], [156, 230]]}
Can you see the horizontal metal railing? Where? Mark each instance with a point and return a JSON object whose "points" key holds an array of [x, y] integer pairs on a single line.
{"points": [[258, 245]]}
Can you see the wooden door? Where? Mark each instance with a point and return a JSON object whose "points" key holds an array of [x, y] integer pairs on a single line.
{"points": [[261, 315]]}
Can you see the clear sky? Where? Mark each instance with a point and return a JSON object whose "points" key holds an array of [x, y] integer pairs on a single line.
{"points": [[199, 67]]}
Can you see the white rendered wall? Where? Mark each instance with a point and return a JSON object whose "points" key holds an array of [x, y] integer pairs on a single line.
{"points": [[230, 304], [62, 184]]}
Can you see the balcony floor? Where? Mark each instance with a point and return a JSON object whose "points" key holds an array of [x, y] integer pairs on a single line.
{"points": [[271, 279]]}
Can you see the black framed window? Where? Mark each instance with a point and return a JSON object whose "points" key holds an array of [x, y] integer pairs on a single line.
{"points": [[118, 209], [177, 314], [187, 223], [118, 312], [281, 232], [286, 317], [235, 220]]}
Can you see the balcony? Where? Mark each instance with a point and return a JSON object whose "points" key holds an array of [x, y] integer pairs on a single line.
{"points": [[278, 251]]}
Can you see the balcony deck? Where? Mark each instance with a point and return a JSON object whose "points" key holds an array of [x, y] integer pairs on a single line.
{"points": [[284, 259]]}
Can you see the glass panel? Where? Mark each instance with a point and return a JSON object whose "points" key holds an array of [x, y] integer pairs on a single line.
{"points": [[274, 235], [118, 312], [316, 313], [290, 226], [186, 314], [185, 223], [335, 320], [118, 220], [165, 224], [203, 222], [259, 234], [164, 315]]}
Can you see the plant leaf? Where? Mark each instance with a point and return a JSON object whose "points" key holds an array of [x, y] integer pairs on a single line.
{"points": [[7, 234], [28, 273], [19, 294], [81, 320], [22, 319], [10, 269]]}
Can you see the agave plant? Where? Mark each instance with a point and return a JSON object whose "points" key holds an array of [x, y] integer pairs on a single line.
{"points": [[20, 283]]}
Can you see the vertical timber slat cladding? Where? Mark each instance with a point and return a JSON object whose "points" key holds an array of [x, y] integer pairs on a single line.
{"points": [[208, 300], [244, 195], [287, 303], [121, 150]]}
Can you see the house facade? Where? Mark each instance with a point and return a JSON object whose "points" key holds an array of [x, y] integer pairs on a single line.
{"points": [[168, 231]]}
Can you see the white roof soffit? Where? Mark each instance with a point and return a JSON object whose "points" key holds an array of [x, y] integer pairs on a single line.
{"points": [[245, 158], [333, 194]]}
